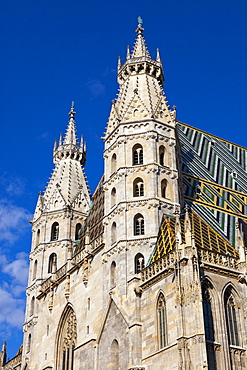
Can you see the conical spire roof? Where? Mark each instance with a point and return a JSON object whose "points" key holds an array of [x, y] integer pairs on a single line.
{"points": [[67, 186], [141, 95], [140, 48]]}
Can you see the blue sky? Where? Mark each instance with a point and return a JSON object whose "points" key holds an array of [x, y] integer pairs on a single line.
{"points": [[56, 51]]}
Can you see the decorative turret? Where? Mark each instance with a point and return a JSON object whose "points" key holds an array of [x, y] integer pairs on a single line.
{"points": [[67, 185], [69, 148], [140, 61]]}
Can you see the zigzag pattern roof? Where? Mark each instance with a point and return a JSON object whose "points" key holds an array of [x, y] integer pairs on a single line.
{"points": [[214, 176]]}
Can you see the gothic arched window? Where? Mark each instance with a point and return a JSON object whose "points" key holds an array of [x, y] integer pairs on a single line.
{"points": [[161, 155], [164, 188], [113, 274], [231, 318], [138, 224], [52, 265], [137, 154], [77, 231], [37, 238], [32, 306], [114, 355], [29, 343], [35, 266], [162, 321], [113, 163], [208, 314], [54, 231], [138, 187], [67, 338], [139, 263], [113, 197], [113, 233]]}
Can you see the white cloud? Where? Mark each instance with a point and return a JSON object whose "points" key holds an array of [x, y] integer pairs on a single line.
{"points": [[18, 270], [13, 220], [96, 88], [44, 136], [12, 297], [12, 185], [11, 309]]}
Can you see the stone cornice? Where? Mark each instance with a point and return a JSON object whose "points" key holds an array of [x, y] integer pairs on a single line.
{"points": [[152, 133], [125, 244], [148, 168]]}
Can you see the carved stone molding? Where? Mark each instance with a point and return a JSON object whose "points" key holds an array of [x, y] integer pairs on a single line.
{"points": [[182, 343], [180, 296], [138, 291], [242, 278], [213, 346]]}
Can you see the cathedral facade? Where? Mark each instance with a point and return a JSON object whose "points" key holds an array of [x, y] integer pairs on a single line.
{"points": [[148, 273]]}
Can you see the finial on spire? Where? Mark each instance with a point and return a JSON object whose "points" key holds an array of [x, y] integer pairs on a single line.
{"points": [[72, 111], [140, 21]]}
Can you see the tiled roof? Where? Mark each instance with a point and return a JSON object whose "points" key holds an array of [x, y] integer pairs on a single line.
{"points": [[205, 237]]}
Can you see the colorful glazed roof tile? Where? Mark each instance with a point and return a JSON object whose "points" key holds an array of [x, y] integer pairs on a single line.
{"points": [[214, 177], [205, 237]]}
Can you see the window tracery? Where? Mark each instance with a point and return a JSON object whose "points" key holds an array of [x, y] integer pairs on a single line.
{"points": [[52, 265], [54, 231], [137, 154], [139, 263], [138, 188], [208, 314], [232, 319], [162, 321], [138, 225], [67, 341]]}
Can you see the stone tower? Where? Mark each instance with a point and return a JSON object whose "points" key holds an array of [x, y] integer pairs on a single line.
{"points": [[141, 155], [58, 218]]}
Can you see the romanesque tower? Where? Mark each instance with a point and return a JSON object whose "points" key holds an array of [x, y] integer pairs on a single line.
{"points": [[141, 156], [58, 218]]}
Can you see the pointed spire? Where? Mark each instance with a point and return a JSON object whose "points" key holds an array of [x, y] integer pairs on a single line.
{"points": [[119, 64], [178, 228], [70, 136], [61, 139], [128, 53], [140, 48], [82, 141], [187, 226], [55, 145], [69, 147], [158, 55]]}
